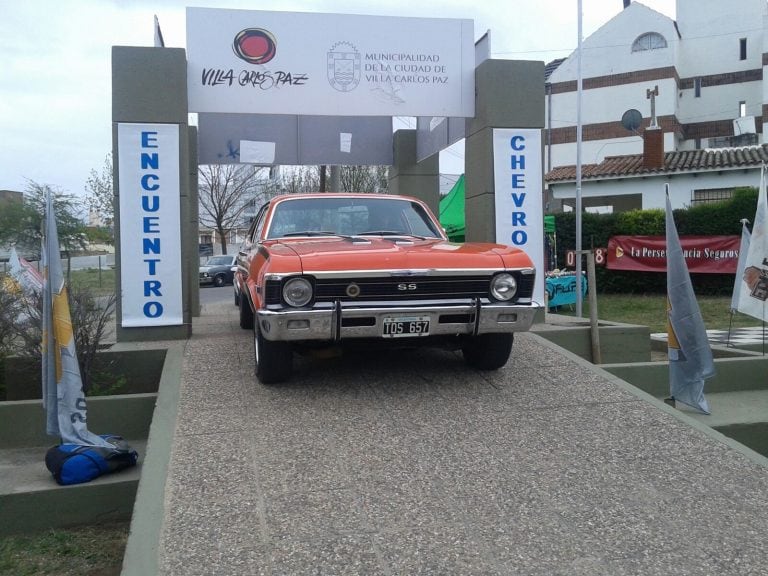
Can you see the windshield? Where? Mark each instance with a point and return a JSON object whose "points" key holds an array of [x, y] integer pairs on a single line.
{"points": [[350, 217], [219, 261]]}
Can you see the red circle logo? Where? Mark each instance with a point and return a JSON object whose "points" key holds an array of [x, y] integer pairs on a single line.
{"points": [[255, 45]]}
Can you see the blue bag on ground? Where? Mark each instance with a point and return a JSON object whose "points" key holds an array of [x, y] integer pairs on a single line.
{"points": [[75, 463]]}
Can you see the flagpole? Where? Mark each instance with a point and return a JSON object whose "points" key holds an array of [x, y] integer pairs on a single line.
{"points": [[578, 167], [740, 265]]}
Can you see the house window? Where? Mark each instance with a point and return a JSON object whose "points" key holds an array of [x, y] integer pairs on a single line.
{"points": [[697, 87], [742, 48], [697, 143], [742, 109], [711, 195], [649, 41]]}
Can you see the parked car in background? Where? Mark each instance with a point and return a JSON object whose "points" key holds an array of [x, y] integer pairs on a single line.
{"points": [[217, 270], [329, 269]]}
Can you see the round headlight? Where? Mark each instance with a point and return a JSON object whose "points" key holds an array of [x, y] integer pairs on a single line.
{"points": [[503, 287], [297, 292]]}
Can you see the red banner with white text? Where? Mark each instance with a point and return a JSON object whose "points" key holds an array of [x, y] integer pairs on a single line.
{"points": [[703, 254]]}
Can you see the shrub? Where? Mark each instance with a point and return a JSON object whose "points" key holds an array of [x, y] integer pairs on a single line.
{"points": [[21, 325], [720, 218]]}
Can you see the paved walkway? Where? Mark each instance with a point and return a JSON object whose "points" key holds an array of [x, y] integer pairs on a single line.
{"points": [[411, 463]]}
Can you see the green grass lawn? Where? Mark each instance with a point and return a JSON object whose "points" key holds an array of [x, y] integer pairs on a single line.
{"points": [[75, 552], [650, 310], [99, 282]]}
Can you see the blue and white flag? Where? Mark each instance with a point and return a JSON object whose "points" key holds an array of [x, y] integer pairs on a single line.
{"points": [[63, 397], [24, 275], [754, 277], [741, 265], [690, 357]]}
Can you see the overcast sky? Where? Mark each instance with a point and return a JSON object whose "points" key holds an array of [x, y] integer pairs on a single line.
{"points": [[55, 84]]}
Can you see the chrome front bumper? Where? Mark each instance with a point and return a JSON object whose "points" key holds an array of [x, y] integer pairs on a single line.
{"points": [[339, 322]]}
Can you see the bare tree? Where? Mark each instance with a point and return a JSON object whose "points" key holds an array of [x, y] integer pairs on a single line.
{"points": [[21, 325], [225, 190], [364, 179], [302, 179], [100, 195]]}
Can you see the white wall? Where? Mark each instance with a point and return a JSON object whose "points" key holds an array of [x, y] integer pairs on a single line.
{"points": [[681, 186], [609, 49], [720, 102], [595, 151], [710, 32]]}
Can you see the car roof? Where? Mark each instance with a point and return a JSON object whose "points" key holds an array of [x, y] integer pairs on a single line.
{"points": [[371, 195]]}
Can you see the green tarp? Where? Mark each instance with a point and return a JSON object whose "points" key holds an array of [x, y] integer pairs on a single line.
{"points": [[452, 214], [452, 211]]}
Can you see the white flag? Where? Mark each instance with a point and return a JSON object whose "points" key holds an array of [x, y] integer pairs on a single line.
{"points": [[741, 265], [754, 278], [690, 357], [159, 42]]}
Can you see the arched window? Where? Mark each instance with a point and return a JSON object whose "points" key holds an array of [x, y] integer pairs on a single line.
{"points": [[649, 41]]}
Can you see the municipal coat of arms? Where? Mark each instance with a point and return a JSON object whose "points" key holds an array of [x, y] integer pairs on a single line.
{"points": [[344, 64]]}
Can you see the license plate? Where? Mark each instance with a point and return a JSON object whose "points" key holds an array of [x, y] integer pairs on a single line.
{"points": [[405, 326]]}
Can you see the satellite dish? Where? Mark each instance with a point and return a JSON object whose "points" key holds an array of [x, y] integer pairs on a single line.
{"points": [[632, 120]]}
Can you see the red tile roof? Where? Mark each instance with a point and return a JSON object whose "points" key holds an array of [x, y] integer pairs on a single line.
{"points": [[683, 161]]}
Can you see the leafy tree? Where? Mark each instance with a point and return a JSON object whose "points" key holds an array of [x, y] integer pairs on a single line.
{"points": [[225, 191], [100, 194], [20, 225], [98, 235], [21, 222]]}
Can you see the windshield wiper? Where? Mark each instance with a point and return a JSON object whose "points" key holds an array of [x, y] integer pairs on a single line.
{"points": [[310, 233], [316, 233], [390, 233]]}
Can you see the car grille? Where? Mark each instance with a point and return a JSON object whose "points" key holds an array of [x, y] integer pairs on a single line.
{"points": [[396, 288]]}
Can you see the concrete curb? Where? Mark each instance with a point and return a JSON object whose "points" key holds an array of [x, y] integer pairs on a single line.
{"points": [[141, 552], [624, 385]]}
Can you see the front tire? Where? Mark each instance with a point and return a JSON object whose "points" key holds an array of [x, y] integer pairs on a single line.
{"points": [[246, 314], [219, 281], [488, 351], [274, 360]]}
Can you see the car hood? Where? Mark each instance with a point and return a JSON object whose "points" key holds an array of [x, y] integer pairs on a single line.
{"points": [[217, 267], [332, 255]]}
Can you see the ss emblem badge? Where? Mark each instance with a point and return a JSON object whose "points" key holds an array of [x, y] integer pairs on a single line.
{"points": [[406, 287]]}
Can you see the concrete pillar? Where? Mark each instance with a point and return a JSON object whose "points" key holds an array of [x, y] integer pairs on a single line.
{"points": [[411, 178], [334, 184], [191, 236], [149, 85], [508, 94]]}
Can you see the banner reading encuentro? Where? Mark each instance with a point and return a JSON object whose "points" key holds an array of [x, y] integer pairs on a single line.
{"points": [[150, 236], [248, 61]]}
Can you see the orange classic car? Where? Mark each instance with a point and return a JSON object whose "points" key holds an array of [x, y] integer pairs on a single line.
{"points": [[329, 268]]}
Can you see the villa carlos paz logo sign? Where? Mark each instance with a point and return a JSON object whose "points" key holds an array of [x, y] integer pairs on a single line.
{"points": [[243, 61], [255, 46]]}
